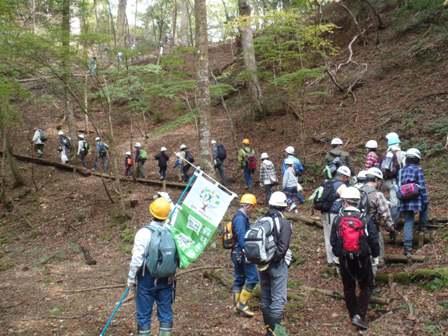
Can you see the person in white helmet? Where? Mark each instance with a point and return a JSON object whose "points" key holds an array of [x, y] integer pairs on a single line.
{"points": [[331, 204], [361, 179], [336, 158], [297, 165], [38, 141], [411, 178], [290, 186], [64, 146], [219, 156], [188, 158], [372, 158], [354, 241], [83, 149], [101, 155], [268, 176], [128, 164], [140, 158], [377, 207], [274, 276], [162, 159]]}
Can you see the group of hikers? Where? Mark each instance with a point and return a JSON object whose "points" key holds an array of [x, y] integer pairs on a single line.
{"points": [[354, 209]]}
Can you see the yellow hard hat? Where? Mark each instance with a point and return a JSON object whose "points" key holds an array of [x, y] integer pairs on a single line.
{"points": [[246, 141], [248, 199], [160, 208]]}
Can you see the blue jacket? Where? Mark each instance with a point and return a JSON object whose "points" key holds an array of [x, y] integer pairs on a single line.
{"points": [[240, 225], [298, 167], [414, 173]]}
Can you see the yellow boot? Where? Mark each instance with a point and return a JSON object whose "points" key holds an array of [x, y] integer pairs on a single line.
{"points": [[236, 298], [242, 306]]}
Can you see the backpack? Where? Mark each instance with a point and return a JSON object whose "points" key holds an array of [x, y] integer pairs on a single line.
{"points": [[143, 155], [389, 166], [129, 161], [66, 142], [189, 157], [350, 230], [251, 160], [161, 258], [85, 147], [324, 198], [259, 242], [228, 239], [43, 136], [334, 165], [103, 150], [221, 152]]}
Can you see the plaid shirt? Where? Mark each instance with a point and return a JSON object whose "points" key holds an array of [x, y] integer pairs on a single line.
{"points": [[372, 160], [378, 207], [267, 173], [414, 173]]}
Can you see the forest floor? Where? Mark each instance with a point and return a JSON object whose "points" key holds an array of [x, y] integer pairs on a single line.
{"points": [[40, 239]]}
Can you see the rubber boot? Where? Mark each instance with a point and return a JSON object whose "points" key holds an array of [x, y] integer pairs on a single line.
{"points": [[164, 333], [242, 306], [165, 329], [236, 298], [144, 333]]}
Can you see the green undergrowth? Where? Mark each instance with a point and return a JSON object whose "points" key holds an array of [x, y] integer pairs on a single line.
{"points": [[417, 14], [184, 119]]}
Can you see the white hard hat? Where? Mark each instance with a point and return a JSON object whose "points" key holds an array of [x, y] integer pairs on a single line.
{"points": [[138, 144], [289, 150], [128, 153], [213, 142], [278, 199], [372, 144], [413, 152], [61, 132], [264, 156], [362, 174], [336, 141], [289, 161], [81, 136], [97, 139], [344, 170], [183, 146], [375, 172], [351, 193], [162, 149], [392, 135]]}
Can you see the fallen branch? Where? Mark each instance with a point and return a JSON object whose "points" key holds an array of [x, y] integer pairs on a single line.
{"points": [[350, 49], [86, 254], [308, 220], [411, 315], [399, 258]]}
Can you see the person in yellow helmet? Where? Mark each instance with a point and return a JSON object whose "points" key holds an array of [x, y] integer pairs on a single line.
{"points": [[245, 275], [248, 162], [150, 290]]}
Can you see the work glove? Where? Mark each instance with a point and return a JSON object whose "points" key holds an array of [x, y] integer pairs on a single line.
{"points": [[336, 260], [288, 257], [375, 261], [131, 283]]}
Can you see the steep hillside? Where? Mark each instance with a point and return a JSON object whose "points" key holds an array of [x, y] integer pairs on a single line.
{"points": [[42, 238]]}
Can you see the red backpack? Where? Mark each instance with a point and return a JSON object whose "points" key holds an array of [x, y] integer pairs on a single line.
{"points": [[351, 231]]}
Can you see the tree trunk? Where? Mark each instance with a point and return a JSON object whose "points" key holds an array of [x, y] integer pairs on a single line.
{"points": [[250, 63], [190, 25], [203, 98], [183, 36], [113, 153], [18, 179], [121, 24], [65, 37], [112, 24], [174, 23], [33, 14]]}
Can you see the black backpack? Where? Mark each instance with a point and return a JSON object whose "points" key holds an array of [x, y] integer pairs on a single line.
{"points": [[221, 152], [66, 142], [324, 199], [334, 165], [189, 157]]}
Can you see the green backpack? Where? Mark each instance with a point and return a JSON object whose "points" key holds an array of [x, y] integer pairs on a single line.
{"points": [[161, 257], [143, 154]]}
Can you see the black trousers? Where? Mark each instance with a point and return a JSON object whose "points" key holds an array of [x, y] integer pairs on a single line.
{"points": [[357, 272]]}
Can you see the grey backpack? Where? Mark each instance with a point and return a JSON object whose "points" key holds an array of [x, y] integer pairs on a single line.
{"points": [[259, 241], [161, 257]]}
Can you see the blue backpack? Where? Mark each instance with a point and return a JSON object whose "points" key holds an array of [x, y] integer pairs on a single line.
{"points": [[161, 259]]}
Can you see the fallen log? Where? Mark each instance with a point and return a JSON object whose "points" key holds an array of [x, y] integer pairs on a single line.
{"points": [[399, 258], [308, 220], [85, 172], [426, 239], [418, 275]]}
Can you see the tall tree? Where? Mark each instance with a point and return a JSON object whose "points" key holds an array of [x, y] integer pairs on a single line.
{"points": [[200, 10], [247, 42], [122, 24], [65, 41]]}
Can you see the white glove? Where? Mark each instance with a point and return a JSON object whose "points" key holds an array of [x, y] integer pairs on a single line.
{"points": [[131, 282], [375, 261], [336, 260], [288, 257]]}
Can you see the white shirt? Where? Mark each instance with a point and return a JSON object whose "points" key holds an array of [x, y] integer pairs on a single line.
{"points": [[80, 145], [37, 137]]}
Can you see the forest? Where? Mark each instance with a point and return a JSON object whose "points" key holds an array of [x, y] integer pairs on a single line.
{"points": [[108, 107]]}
